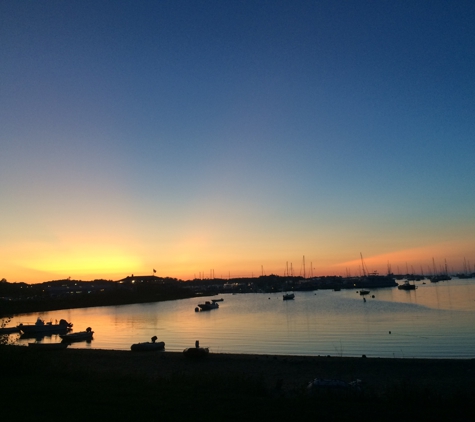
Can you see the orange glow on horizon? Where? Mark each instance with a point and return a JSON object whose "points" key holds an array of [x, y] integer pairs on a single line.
{"points": [[195, 258]]}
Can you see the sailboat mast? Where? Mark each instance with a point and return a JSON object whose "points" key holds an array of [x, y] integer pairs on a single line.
{"points": [[362, 264]]}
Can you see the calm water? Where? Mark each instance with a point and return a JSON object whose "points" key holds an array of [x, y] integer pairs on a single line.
{"points": [[437, 320]]}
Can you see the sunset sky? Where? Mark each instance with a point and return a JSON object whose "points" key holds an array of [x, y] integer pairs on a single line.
{"points": [[234, 138]]}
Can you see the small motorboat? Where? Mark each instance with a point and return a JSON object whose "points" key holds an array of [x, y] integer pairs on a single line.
{"points": [[48, 346], [207, 306], [364, 292], [148, 346], [79, 336], [288, 296], [42, 327], [406, 286], [197, 351]]}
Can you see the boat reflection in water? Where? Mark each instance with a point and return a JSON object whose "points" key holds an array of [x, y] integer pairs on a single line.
{"points": [[48, 346]]}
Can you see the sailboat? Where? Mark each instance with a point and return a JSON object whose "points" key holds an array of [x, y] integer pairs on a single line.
{"points": [[439, 277]]}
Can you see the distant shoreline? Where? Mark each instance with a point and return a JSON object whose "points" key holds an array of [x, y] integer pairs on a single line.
{"points": [[12, 308]]}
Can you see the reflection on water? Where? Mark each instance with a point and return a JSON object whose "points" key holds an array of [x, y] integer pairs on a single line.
{"points": [[435, 320]]}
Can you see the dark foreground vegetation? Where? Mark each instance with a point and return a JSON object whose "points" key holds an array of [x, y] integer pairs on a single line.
{"points": [[75, 384]]}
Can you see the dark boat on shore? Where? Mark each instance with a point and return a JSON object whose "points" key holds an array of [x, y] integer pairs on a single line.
{"points": [[148, 346], [196, 352]]}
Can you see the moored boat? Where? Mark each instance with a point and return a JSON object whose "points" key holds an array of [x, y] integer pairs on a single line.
{"points": [[208, 306], [406, 286], [288, 296], [79, 336], [441, 277], [41, 327], [148, 346]]}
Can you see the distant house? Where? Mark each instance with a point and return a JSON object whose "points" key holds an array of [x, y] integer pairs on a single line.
{"points": [[145, 279]]}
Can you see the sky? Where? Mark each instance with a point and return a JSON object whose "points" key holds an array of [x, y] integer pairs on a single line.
{"points": [[235, 138]]}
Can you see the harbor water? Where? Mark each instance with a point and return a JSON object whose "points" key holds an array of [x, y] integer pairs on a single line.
{"points": [[437, 320]]}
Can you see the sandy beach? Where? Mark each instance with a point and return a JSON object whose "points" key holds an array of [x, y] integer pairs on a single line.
{"points": [[288, 373], [117, 382]]}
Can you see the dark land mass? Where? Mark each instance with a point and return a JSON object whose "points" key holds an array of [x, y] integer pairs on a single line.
{"points": [[18, 298], [121, 297], [74, 384]]}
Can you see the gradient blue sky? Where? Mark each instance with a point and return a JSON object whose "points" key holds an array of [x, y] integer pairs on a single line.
{"points": [[235, 137]]}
